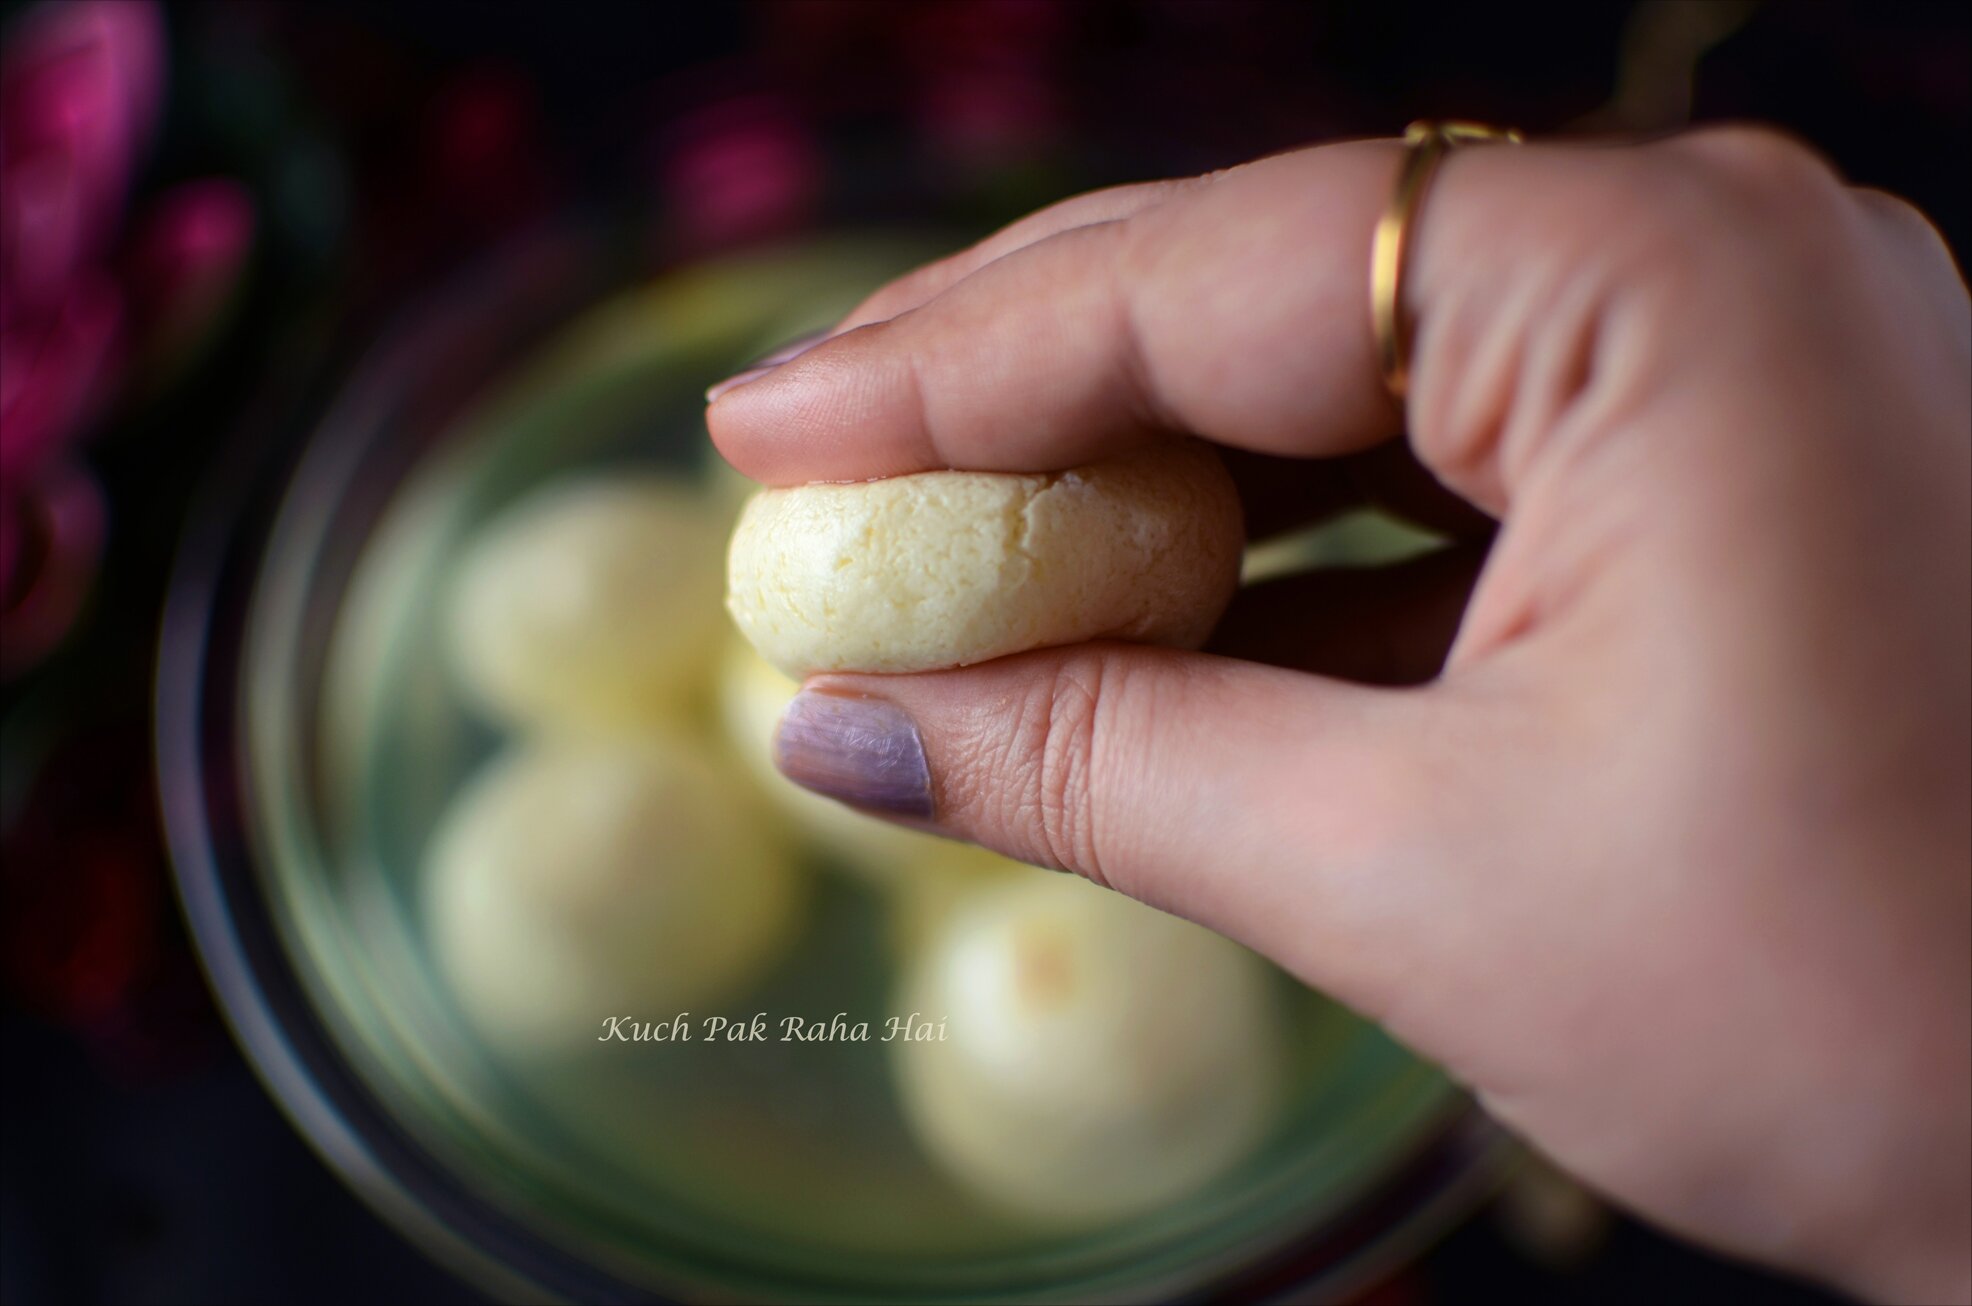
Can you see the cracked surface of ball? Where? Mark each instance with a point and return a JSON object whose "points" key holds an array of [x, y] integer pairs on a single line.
{"points": [[944, 569]]}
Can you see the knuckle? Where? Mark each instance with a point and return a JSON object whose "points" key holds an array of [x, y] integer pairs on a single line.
{"points": [[1762, 160], [1757, 181], [1724, 206], [904, 293], [1055, 743], [1897, 214], [1896, 209]]}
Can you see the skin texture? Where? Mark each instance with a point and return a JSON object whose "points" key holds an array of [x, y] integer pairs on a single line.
{"points": [[1658, 834]]}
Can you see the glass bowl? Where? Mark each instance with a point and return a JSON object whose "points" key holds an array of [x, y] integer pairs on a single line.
{"points": [[310, 737]]}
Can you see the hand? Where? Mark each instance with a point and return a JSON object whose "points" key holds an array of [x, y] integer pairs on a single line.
{"points": [[1670, 855]]}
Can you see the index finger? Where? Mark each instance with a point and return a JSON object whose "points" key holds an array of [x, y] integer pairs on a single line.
{"points": [[1237, 310]]}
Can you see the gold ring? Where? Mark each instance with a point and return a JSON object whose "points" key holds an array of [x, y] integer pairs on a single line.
{"points": [[1426, 144]]}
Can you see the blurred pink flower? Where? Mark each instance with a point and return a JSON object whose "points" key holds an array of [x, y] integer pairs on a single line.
{"points": [[80, 87], [1016, 33], [53, 541], [54, 369], [183, 262], [988, 89], [741, 170], [990, 116], [484, 150]]}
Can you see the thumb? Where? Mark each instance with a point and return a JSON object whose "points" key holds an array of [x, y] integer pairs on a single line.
{"points": [[1291, 812]]}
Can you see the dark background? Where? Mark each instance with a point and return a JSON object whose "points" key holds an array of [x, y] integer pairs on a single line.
{"points": [[382, 143]]}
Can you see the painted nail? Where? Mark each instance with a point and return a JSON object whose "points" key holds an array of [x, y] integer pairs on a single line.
{"points": [[735, 381], [766, 363], [861, 751]]}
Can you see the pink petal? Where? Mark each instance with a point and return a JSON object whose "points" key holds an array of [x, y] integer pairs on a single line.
{"points": [[54, 375], [62, 525], [991, 115], [483, 153], [41, 231], [742, 170], [13, 549], [1020, 33], [185, 259], [83, 82]]}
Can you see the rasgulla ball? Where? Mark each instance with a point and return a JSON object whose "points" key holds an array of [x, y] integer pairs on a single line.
{"points": [[944, 569], [936, 883], [1099, 1058], [752, 696], [574, 880], [590, 605]]}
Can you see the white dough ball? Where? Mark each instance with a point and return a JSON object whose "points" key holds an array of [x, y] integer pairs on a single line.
{"points": [[1101, 1058], [939, 881], [576, 880], [590, 605], [943, 569]]}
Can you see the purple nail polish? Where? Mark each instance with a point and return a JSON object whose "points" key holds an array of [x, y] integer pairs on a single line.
{"points": [[861, 751], [766, 363], [735, 381]]}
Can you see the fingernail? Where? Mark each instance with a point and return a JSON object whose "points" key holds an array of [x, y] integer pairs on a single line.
{"points": [[766, 363], [735, 381], [861, 751]]}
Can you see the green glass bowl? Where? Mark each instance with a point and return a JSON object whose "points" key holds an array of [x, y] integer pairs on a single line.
{"points": [[688, 1171]]}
